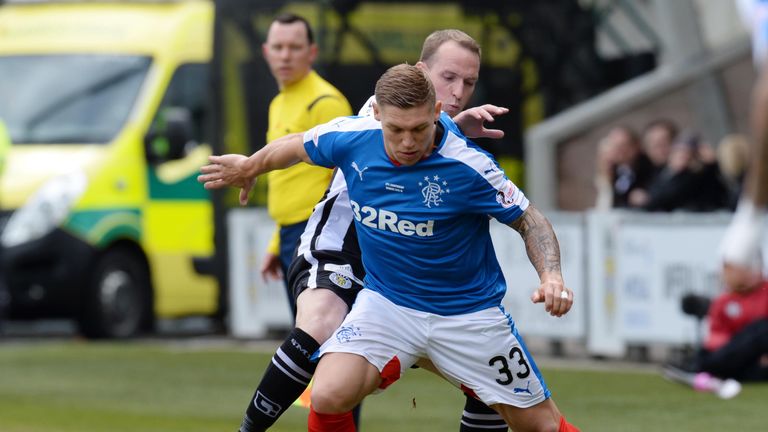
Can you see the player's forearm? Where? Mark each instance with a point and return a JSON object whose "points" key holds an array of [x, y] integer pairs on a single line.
{"points": [[760, 176], [281, 153], [757, 177], [540, 243]]}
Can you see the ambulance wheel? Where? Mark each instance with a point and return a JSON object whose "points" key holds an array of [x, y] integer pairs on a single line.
{"points": [[117, 301]]}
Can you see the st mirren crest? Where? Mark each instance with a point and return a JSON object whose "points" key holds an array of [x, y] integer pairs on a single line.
{"points": [[340, 280], [433, 189]]}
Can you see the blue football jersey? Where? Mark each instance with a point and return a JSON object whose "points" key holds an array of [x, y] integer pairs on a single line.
{"points": [[422, 229]]}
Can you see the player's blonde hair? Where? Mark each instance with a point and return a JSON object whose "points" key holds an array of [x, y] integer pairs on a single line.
{"points": [[405, 86], [437, 38]]}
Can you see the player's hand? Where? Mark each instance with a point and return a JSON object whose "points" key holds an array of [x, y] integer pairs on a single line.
{"points": [[270, 268], [227, 170], [472, 121], [550, 292]]}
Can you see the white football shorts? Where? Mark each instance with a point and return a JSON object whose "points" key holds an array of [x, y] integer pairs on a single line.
{"points": [[479, 352]]}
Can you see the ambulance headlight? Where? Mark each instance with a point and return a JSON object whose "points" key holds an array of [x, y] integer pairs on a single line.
{"points": [[45, 210]]}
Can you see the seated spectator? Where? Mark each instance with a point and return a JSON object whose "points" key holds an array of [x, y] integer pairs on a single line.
{"points": [[657, 139], [621, 168], [690, 181], [733, 159], [737, 342]]}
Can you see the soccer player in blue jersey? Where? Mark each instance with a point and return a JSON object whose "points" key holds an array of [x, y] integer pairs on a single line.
{"points": [[742, 266], [421, 194], [327, 270]]}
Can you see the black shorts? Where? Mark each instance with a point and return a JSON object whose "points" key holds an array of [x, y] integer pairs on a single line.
{"points": [[337, 271]]}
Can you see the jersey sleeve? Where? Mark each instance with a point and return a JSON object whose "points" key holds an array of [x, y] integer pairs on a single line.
{"points": [[489, 190], [496, 195], [754, 15], [326, 145], [367, 108]]}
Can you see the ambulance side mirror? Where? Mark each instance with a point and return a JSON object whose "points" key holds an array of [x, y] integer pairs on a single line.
{"points": [[170, 136]]}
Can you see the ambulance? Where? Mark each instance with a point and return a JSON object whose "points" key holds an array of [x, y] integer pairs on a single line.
{"points": [[101, 218]]}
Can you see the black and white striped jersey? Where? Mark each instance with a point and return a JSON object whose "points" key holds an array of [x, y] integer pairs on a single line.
{"points": [[328, 248], [329, 242]]}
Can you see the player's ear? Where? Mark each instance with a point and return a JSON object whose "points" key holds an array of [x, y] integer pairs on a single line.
{"points": [[438, 108], [376, 111]]}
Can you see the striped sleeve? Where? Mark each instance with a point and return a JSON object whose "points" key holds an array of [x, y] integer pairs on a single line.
{"points": [[493, 193]]}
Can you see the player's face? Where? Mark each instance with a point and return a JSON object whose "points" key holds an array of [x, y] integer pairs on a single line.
{"points": [[453, 70], [288, 52], [408, 133]]}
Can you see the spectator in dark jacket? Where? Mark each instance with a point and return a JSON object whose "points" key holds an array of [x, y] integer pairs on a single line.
{"points": [[622, 167], [690, 181]]}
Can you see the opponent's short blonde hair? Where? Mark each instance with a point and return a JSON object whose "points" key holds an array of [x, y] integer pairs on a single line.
{"points": [[437, 38]]}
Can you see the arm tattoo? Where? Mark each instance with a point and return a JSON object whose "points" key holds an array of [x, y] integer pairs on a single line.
{"points": [[540, 240]]}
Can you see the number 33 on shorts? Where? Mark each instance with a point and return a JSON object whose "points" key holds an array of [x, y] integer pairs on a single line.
{"points": [[502, 364]]}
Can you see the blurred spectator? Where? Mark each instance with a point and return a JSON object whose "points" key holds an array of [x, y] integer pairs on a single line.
{"points": [[690, 180], [733, 159], [621, 168], [657, 139], [737, 341]]}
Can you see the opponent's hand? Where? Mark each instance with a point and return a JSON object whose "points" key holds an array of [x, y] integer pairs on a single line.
{"points": [[227, 170], [472, 121], [550, 292]]}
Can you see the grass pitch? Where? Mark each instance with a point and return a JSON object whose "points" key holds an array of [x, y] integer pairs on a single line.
{"points": [[166, 387]]}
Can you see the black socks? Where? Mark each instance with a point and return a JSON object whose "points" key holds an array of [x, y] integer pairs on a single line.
{"points": [[283, 382]]}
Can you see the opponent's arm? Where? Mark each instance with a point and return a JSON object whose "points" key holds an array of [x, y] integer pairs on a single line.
{"points": [[544, 253]]}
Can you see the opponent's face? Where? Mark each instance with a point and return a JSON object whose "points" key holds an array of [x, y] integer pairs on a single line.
{"points": [[454, 71], [288, 52], [409, 133]]}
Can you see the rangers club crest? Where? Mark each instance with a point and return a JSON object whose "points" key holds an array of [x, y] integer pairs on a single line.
{"points": [[433, 189], [347, 333]]}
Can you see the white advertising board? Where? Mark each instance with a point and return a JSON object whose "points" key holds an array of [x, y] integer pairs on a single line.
{"points": [[657, 264], [628, 271], [603, 337], [522, 280], [255, 306]]}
